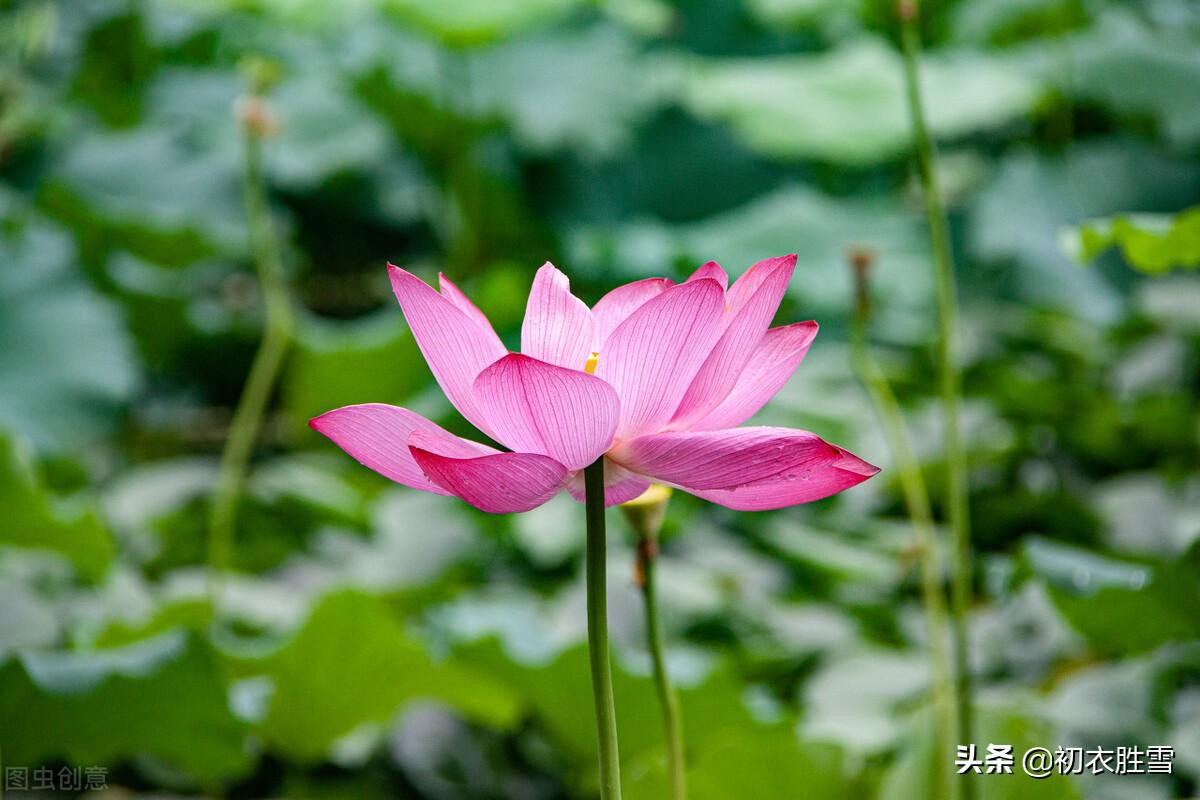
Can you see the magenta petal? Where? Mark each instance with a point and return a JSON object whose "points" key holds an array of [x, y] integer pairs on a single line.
{"points": [[651, 358], [454, 344], [616, 306], [711, 269], [793, 487], [376, 435], [500, 483], [750, 280], [535, 407], [456, 296], [720, 459], [768, 368], [745, 328], [558, 326], [620, 485]]}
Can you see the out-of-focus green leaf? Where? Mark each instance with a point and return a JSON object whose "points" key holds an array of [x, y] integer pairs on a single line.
{"points": [[169, 193], [305, 14], [29, 621], [847, 106], [768, 763], [370, 360], [822, 229], [599, 87], [1151, 243], [164, 698], [351, 664], [462, 23], [1005, 22], [192, 614], [1137, 68], [33, 518], [1016, 222], [66, 362], [1107, 702], [323, 130], [912, 775], [836, 557], [789, 14], [1184, 734], [1121, 607], [855, 700], [647, 17], [716, 719]]}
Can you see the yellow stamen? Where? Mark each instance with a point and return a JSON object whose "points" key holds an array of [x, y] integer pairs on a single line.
{"points": [[645, 514], [590, 366], [657, 493]]}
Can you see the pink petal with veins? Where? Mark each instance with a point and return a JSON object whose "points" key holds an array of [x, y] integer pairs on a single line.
{"points": [[454, 344], [745, 327], [793, 486], [500, 483], [376, 435], [711, 269], [535, 407], [768, 368], [558, 326], [616, 306], [651, 358], [455, 295]]}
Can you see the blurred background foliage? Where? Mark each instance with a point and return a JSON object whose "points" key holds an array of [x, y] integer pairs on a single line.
{"points": [[386, 643]]}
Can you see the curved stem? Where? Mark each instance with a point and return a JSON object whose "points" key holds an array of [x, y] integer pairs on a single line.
{"points": [[597, 613], [647, 555], [277, 334], [916, 501], [950, 379]]}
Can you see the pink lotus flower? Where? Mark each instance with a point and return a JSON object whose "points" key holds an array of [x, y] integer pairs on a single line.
{"points": [[654, 377]]}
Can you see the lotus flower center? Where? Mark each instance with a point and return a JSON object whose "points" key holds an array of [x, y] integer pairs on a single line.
{"points": [[590, 366]]}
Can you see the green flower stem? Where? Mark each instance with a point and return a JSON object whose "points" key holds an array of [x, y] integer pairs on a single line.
{"points": [[277, 334], [916, 501], [950, 379], [647, 555], [597, 612]]}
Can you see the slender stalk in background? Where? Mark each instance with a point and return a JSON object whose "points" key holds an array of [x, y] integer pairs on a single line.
{"points": [[950, 380], [645, 517], [916, 501], [277, 334], [597, 613]]}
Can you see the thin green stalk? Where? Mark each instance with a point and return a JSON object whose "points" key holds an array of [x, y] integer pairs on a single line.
{"points": [[645, 515], [277, 334], [916, 501], [647, 554], [950, 379], [597, 613]]}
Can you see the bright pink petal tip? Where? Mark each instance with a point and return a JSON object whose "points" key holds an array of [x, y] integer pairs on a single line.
{"points": [[456, 296], [376, 435], [711, 269], [457, 344], [750, 469], [558, 326]]}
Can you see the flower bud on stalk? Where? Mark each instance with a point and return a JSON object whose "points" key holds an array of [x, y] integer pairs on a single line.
{"points": [[255, 115], [645, 514]]}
